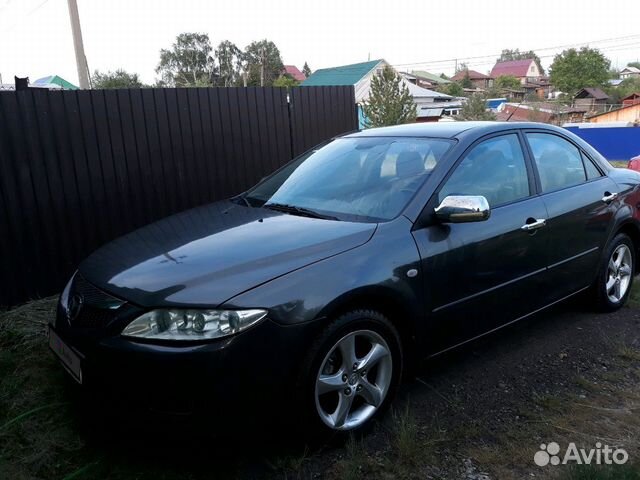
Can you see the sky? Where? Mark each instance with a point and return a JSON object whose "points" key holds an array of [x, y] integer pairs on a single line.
{"points": [[35, 35]]}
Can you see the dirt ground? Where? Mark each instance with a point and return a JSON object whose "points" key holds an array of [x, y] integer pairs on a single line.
{"points": [[481, 412]]}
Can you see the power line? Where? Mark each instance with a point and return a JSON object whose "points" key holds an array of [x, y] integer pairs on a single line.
{"points": [[27, 15], [497, 55]]}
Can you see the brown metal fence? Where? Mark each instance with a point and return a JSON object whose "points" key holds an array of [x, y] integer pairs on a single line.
{"points": [[79, 168]]}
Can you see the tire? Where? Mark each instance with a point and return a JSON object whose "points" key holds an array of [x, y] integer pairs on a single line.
{"points": [[365, 395], [616, 272]]}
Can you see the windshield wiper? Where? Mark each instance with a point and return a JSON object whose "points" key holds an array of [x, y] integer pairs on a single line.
{"points": [[241, 199], [303, 212]]}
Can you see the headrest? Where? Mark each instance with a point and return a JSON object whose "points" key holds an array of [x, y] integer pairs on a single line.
{"points": [[409, 164]]}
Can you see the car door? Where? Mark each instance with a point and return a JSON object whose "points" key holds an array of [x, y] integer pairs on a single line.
{"points": [[580, 202], [478, 276]]}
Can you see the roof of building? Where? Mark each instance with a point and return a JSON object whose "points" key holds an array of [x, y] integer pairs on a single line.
{"points": [[514, 68], [430, 77], [419, 92], [615, 82], [54, 82], [294, 73], [630, 69], [473, 75], [595, 93], [632, 96], [344, 75]]}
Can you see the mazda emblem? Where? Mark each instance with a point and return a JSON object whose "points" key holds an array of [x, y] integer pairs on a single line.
{"points": [[75, 305]]}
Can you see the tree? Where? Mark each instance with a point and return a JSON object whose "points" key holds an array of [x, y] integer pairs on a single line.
{"points": [[475, 108], [507, 81], [285, 81], [454, 89], [188, 63], [306, 70], [390, 102], [461, 67], [230, 62], [466, 80], [509, 55], [118, 79], [263, 63], [574, 69], [627, 87]]}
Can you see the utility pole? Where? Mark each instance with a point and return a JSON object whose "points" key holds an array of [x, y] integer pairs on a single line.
{"points": [[81, 59]]}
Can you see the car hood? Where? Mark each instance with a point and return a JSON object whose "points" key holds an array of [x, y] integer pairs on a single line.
{"points": [[210, 254]]}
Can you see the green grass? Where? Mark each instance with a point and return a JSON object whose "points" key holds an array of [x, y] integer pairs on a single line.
{"points": [[619, 163]]}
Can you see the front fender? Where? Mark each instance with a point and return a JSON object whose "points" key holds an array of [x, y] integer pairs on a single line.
{"points": [[377, 268]]}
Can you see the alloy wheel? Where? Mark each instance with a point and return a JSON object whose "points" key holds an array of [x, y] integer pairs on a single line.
{"points": [[353, 380], [619, 271]]}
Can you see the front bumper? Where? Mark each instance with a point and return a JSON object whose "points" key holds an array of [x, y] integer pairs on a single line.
{"points": [[245, 375]]}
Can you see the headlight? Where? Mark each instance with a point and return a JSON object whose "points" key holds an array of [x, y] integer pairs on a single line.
{"points": [[192, 324]]}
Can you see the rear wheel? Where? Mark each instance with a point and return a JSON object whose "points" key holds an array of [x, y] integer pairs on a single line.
{"points": [[615, 278], [352, 372]]}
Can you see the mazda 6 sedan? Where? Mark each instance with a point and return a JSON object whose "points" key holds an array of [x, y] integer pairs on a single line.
{"points": [[308, 295]]}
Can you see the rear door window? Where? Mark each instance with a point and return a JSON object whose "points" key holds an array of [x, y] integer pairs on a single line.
{"points": [[559, 162]]}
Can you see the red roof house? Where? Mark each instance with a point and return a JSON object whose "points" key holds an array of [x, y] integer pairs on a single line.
{"points": [[524, 70], [294, 73], [479, 80], [632, 99]]}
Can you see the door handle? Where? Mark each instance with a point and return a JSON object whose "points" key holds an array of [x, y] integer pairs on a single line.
{"points": [[538, 223], [609, 197]]}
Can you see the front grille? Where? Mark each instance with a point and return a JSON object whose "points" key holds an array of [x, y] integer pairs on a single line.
{"points": [[93, 296], [91, 317], [97, 308]]}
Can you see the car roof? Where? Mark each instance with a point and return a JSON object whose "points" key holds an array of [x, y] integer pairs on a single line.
{"points": [[445, 129]]}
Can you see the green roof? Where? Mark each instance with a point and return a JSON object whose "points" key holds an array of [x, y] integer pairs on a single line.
{"points": [[430, 76], [54, 80], [345, 75]]}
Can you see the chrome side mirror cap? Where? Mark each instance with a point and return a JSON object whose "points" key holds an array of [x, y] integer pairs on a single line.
{"points": [[463, 209]]}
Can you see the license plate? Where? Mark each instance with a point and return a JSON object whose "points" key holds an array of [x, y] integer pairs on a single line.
{"points": [[70, 359]]}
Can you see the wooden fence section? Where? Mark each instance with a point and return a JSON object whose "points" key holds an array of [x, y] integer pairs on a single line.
{"points": [[79, 168]]}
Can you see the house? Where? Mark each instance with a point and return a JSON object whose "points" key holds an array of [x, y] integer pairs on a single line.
{"points": [[53, 82], [431, 106], [632, 99], [592, 99], [524, 70], [630, 72], [357, 74], [428, 103], [629, 113], [552, 113], [428, 80], [294, 72], [478, 80]]}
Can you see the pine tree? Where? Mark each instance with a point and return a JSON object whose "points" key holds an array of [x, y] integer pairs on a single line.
{"points": [[390, 102], [306, 70], [475, 108]]}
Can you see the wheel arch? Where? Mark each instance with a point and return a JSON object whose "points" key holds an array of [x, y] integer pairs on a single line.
{"points": [[387, 302], [631, 228]]}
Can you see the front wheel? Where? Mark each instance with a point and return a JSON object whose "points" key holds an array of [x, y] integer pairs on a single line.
{"points": [[352, 372], [613, 285]]}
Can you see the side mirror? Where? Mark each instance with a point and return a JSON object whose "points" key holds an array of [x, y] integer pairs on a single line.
{"points": [[463, 209]]}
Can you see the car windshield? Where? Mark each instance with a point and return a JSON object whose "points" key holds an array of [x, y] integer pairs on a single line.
{"points": [[361, 178]]}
